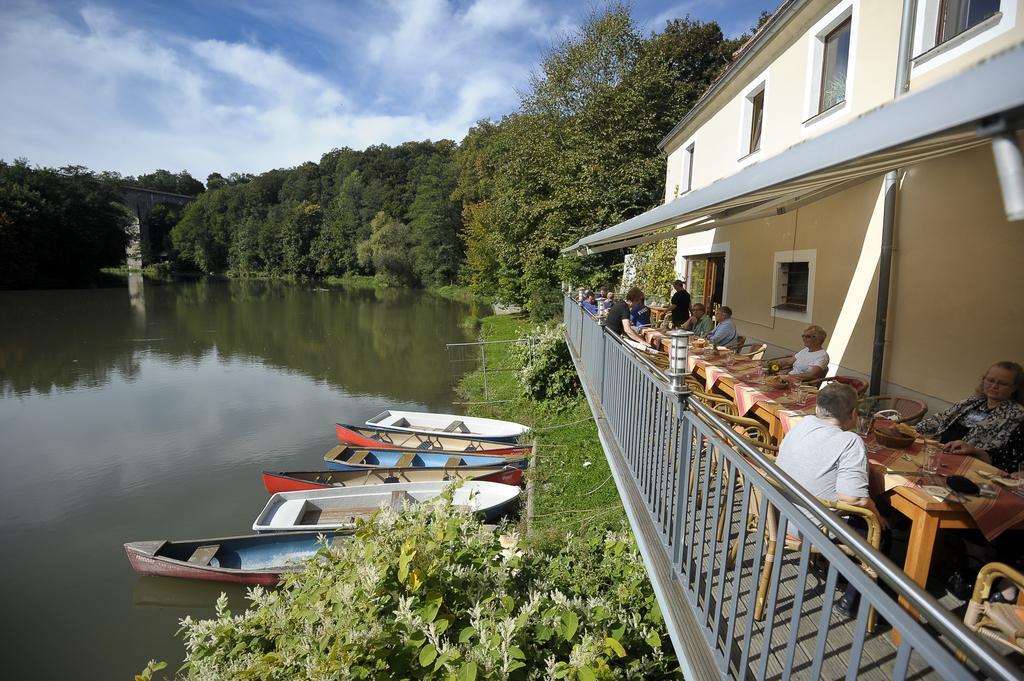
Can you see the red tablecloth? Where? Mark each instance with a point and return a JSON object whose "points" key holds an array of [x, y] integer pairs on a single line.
{"points": [[891, 468]]}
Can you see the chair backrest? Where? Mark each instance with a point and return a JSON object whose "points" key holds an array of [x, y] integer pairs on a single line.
{"points": [[858, 384], [911, 410], [751, 350], [738, 343], [751, 429], [722, 405]]}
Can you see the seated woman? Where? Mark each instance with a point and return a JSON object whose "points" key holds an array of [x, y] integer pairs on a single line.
{"points": [[811, 363], [989, 424]]}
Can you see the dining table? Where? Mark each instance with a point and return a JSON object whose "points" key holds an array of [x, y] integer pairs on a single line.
{"points": [[779, 406], [897, 474], [930, 505]]}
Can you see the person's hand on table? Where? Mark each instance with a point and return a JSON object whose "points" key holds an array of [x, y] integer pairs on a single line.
{"points": [[966, 449]]}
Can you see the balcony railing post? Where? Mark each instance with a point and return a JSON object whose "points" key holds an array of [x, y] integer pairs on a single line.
{"points": [[678, 350]]}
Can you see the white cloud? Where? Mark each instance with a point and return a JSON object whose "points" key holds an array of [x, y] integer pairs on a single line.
{"points": [[111, 96]]}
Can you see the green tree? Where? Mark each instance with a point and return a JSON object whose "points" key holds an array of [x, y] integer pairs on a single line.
{"points": [[58, 227], [581, 152], [388, 251]]}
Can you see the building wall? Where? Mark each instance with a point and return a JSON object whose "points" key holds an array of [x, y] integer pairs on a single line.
{"points": [[785, 64], [955, 306]]}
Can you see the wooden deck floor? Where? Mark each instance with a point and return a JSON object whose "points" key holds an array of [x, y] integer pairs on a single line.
{"points": [[768, 649]]}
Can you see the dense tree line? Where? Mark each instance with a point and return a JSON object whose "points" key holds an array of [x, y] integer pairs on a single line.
{"points": [[386, 210], [579, 154], [57, 226]]}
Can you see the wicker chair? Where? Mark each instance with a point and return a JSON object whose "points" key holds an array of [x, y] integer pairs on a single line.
{"points": [[723, 405], [858, 384], [999, 622], [751, 350], [910, 410]]}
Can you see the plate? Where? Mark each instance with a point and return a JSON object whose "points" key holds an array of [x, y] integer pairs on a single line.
{"points": [[936, 491]]}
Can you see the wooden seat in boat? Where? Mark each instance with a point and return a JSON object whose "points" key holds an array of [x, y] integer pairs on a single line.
{"points": [[405, 460], [456, 427], [358, 457], [453, 462], [203, 554]]}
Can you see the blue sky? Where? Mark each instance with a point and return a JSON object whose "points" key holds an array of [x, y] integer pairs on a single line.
{"points": [[247, 86]]}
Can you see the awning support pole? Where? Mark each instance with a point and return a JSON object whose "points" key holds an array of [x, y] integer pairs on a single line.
{"points": [[1010, 167], [891, 188]]}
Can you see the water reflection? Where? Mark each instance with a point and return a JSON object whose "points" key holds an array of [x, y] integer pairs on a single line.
{"points": [[362, 341], [148, 412]]}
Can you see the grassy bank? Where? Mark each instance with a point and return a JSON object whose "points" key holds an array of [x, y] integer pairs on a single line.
{"points": [[573, 489]]}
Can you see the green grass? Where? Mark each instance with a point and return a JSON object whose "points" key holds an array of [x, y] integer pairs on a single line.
{"points": [[568, 496]]}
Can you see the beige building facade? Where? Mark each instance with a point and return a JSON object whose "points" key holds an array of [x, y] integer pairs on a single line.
{"points": [[955, 304]]}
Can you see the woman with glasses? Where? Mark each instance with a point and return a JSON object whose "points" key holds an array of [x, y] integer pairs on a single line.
{"points": [[988, 424], [811, 363]]}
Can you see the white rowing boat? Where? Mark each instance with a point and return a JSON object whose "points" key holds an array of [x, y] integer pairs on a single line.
{"points": [[340, 507], [451, 425]]}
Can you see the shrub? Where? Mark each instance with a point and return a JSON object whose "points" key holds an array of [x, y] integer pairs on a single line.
{"points": [[550, 375], [431, 593]]}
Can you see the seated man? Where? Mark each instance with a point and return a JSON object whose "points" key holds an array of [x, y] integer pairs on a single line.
{"points": [[640, 315], [618, 316], [589, 303], [826, 458], [699, 322], [609, 300], [725, 330]]}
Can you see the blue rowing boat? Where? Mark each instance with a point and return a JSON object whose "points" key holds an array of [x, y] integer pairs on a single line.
{"points": [[350, 459]]}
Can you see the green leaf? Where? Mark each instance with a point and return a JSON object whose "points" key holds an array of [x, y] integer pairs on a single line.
{"points": [[441, 625], [586, 674], [467, 672], [653, 640], [428, 654], [466, 634], [516, 653], [429, 611], [570, 623], [614, 646]]}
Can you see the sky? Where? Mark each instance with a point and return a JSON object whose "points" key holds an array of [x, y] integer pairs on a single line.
{"points": [[250, 85]]}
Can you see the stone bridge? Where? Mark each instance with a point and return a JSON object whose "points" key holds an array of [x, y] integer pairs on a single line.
{"points": [[140, 202]]}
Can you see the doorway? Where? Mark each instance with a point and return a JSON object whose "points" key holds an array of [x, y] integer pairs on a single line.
{"points": [[706, 280]]}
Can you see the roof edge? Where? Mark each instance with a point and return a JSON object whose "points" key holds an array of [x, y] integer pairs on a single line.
{"points": [[768, 30]]}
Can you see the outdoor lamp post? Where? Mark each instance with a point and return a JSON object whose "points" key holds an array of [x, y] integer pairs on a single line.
{"points": [[678, 350]]}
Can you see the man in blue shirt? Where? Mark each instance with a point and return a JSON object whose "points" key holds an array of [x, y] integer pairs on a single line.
{"points": [[589, 302], [725, 331], [640, 315]]}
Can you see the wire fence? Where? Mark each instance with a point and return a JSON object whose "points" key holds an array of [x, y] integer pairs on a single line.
{"points": [[490, 358]]}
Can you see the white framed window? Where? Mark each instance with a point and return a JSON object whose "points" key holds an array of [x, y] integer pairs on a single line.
{"points": [[793, 284], [751, 134], [687, 176], [831, 64], [946, 29]]}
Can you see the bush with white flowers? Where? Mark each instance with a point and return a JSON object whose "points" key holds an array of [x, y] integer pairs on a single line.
{"points": [[431, 593]]}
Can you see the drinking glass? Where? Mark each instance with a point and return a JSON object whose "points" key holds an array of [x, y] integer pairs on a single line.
{"points": [[931, 459], [864, 425], [1019, 489]]}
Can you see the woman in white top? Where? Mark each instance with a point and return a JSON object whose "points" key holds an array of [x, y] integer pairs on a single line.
{"points": [[811, 363]]}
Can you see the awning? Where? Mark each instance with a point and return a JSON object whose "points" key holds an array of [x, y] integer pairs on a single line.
{"points": [[957, 114]]}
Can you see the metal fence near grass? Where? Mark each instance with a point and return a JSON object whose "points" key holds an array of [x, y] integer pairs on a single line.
{"points": [[705, 505], [489, 357]]}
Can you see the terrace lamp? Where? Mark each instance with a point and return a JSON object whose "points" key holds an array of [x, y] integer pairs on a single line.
{"points": [[678, 351]]}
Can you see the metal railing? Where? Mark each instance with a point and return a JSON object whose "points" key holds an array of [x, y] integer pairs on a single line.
{"points": [[704, 505]]}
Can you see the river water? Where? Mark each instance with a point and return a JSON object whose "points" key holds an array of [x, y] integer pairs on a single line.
{"points": [[148, 412]]}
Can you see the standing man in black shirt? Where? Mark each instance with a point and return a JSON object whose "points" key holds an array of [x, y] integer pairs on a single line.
{"points": [[618, 316], [680, 304]]}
